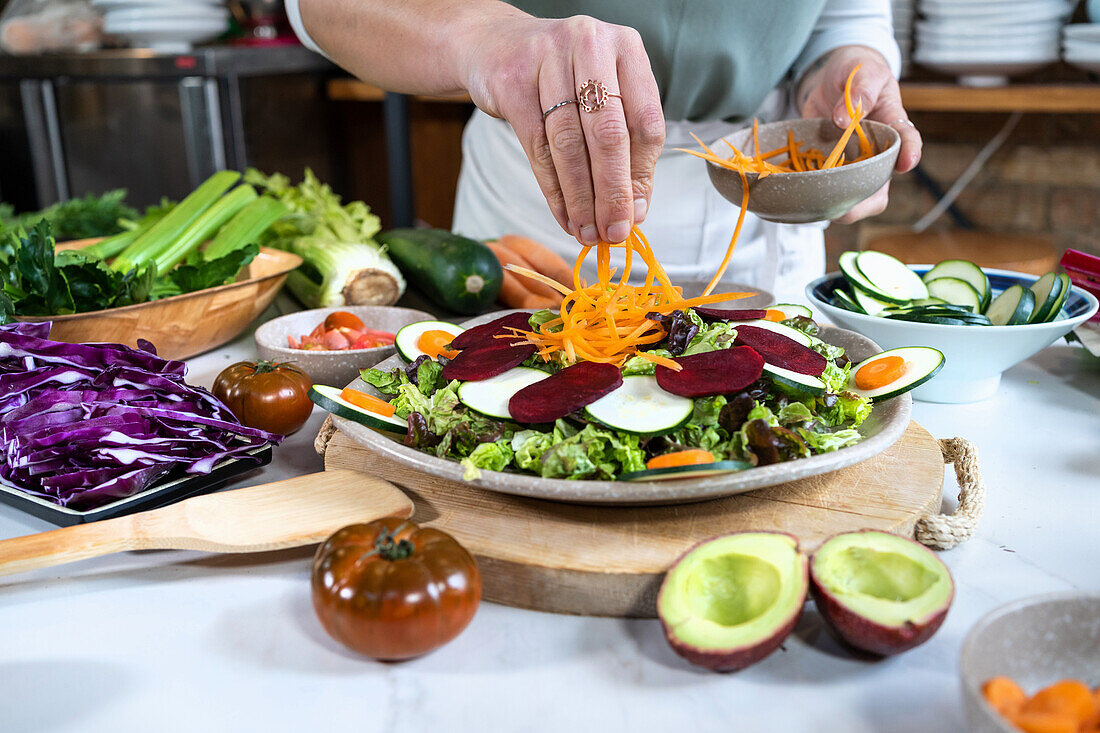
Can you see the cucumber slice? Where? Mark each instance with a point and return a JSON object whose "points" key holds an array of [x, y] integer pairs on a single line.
{"points": [[927, 301], [956, 291], [844, 301], [793, 381], [490, 396], [1012, 307], [406, 339], [921, 364], [684, 472], [859, 282], [946, 318], [890, 276], [1047, 290], [640, 406], [792, 333], [791, 310], [963, 270], [936, 308], [328, 398], [1056, 309], [871, 306]]}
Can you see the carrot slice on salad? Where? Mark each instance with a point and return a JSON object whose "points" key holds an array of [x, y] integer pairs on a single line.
{"points": [[370, 403]]}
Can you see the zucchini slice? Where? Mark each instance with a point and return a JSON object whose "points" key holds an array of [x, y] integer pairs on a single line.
{"points": [[956, 291], [407, 337], [641, 407], [490, 396], [871, 306], [683, 472], [921, 364], [792, 333], [1056, 309], [845, 302], [890, 276], [963, 270], [793, 381], [791, 310], [858, 282], [1012, 307], [1049, 296], [328, 398]]}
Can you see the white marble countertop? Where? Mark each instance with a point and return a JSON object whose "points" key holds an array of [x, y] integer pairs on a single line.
{"points": [[172, 641]]}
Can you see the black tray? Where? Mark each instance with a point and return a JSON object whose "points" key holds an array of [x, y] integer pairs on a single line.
{"points": [[167, 492]]}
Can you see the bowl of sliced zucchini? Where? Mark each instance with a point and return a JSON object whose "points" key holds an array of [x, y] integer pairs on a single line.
{"points": [[983, 320]]}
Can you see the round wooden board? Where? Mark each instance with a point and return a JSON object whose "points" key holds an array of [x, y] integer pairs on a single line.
{"points": [[609, 561]]}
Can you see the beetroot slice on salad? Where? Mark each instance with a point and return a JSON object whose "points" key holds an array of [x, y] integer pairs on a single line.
{"points": [[560, 394], [486, 333], [483, 362], [712, 372], [723, 314], [780, 351]]}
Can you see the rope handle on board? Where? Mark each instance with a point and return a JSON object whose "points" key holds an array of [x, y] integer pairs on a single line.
{"points": [[938, 531], [324, 435], [944, 531]]}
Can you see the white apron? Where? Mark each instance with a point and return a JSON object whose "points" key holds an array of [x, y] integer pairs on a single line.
{"points": [[689, 224]]}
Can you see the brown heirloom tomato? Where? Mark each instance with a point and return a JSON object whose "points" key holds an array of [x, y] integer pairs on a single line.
{"points": [[266, 395], [393, 590]]}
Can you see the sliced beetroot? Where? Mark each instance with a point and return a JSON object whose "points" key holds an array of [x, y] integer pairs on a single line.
{"points": [[482, 362], [486, 333], [560, 394], [712, 372], [780, 351], [723, 314]]}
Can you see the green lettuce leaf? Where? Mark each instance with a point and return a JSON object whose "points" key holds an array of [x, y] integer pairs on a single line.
{"points": [[711, 337], [825, 442], [383, 381], [593, 453], [493, 456], [428, 376], [707, 410], [795, 412]]}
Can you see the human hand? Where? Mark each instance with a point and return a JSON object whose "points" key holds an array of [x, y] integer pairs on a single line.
{"points": [[821, 94], [595, 169]]}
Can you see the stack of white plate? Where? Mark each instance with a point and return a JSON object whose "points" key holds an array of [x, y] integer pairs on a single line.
{"points": [[1081, 45], [164, 25], [903, 11], [986, 41]]}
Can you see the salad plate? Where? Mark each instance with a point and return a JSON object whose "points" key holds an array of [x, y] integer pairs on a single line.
{"points": [[885, 425]]}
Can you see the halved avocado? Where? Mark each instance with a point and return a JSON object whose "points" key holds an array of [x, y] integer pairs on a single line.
{"points": [[880, 593], [732, 600]]}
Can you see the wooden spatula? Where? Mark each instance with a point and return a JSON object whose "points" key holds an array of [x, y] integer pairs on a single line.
{"points": [[291, 513]]}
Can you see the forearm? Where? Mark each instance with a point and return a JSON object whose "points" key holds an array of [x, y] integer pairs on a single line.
{"points": [[410, 46]]}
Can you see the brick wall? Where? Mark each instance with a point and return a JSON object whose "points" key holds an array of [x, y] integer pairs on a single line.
{"points": [[1044, 180]]}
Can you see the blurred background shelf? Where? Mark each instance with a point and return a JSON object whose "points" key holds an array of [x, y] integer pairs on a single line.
{"points": [[1038, 98]]}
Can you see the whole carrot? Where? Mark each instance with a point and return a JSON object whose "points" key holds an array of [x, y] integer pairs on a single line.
{"points": [[542, 259]]}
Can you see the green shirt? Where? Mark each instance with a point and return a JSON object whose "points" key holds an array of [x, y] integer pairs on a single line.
{"points": [[713, 59]]}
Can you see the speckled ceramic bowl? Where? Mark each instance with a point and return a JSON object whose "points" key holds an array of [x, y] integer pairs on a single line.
{"points": [[800, 198], [882, 429], [1035, 641], [332, 367]]}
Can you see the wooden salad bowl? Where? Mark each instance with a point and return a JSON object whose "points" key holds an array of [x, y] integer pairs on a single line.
{"points": [[183, 325]]}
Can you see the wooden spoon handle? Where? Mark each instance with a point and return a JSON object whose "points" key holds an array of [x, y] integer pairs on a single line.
{"points": [[67, 544]]}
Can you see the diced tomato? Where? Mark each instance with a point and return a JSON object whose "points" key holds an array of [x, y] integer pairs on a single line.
{"points": [[343, 319], [335, 341], [293, 342]]}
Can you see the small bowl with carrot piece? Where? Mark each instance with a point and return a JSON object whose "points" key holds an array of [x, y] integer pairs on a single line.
{"points": [[1034, 666], [332, 345], [803, 170]]}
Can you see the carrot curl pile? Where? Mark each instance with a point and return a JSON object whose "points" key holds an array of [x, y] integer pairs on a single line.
{"points": [[607, 321]]}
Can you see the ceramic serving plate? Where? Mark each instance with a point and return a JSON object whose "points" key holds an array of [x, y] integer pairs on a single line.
{"points": [[882, 429]]}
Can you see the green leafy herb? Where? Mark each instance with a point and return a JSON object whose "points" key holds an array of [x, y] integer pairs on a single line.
{"points": [[79, 218]]}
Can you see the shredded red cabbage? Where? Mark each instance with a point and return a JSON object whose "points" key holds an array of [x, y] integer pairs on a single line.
{"points": [[84, 424]]}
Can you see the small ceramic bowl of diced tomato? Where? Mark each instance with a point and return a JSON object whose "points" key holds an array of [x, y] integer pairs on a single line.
{"points": [[332, 345]]}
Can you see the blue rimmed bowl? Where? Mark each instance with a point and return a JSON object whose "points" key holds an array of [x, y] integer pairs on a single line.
{"points": [[975, 355]]}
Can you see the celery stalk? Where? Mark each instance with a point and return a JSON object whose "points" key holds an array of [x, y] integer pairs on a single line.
{"points": [[166, 231], [245, 227], [204, 227], [107, 248]]}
